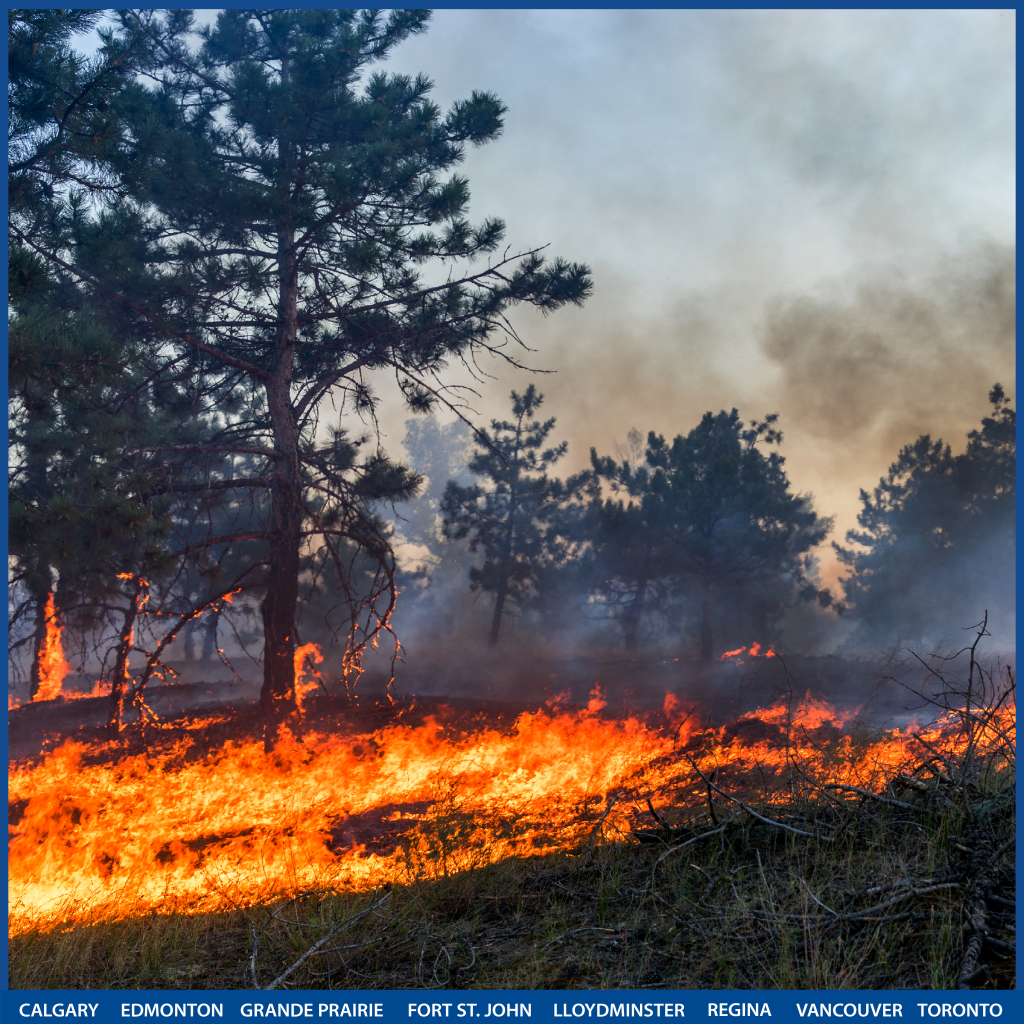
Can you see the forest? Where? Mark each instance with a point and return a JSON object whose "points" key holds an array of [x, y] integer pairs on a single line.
{"points": [[229, 246], [185, 300]]}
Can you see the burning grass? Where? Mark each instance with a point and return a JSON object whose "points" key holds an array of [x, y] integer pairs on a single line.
{"points": [[793, 848]]}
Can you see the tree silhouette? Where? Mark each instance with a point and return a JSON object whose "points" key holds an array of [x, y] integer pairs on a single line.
{"points": [[508, 518], [937, 535]]}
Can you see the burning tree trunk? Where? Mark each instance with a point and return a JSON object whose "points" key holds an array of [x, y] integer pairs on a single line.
{"points": [[49, 667], [42, 601], [119, 685]]}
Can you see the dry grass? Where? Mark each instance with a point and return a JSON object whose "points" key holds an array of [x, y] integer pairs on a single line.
{"points": [[911, 887], [889, 903]]}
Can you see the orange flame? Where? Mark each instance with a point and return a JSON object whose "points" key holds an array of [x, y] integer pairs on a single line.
{"points": [[307, 655], [52, 666], [103, 834], [754, 652]]}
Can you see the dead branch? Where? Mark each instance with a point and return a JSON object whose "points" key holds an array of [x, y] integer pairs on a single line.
{"points": [[750, 810], [898, 899], [873, 796], [979, 922], [690, 842], [315, 947], [612, 800], [711, 802]]}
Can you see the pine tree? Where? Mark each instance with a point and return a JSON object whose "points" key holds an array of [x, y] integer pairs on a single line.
{"points": [[935, 548], [59, 126], [728, 511], [281, 203], [631, 565], [508, 519], [707, 510]]}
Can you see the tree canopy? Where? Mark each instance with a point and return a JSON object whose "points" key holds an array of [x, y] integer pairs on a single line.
{"points": [[274, 233], [937, 535], [708, 509]]}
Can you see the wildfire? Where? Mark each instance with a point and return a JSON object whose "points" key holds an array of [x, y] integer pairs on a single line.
{"points": [[753, 652], [306, 657], [177, 831], [52, 666]]}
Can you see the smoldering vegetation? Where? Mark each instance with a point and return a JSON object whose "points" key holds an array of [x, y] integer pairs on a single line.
{"points": [[512, 580], [933, 553]]}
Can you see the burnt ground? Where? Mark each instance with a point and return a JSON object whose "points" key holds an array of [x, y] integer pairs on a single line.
{"points": [[901, 884]]}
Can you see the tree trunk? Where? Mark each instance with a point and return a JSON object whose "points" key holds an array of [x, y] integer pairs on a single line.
{"points": [[631, 616], [499, 607], [119, 685], [277, 698], [39, 640], [707, 648], [210, 637], [506, 559]]}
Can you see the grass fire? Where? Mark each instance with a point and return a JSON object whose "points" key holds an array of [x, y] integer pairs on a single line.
{"points": [[581, 845], [332, 665]]}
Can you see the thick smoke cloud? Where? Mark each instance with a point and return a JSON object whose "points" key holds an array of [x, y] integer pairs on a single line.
{"points": [[882, 359], [803, 212]]}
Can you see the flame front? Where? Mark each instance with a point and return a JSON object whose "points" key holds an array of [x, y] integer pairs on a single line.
{"points": [[52, 666], [102, 838]]}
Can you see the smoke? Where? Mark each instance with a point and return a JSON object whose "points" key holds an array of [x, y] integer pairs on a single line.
{"points": [[897, 357]]}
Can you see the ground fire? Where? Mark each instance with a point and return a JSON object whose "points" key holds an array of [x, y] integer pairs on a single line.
{"points": [[186, 825]]}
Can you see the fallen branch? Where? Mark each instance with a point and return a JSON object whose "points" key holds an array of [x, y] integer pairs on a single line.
{"points": [[578, 931], [612, 800], [315, 947], [874, 796], [690, 842], [750, 810], [711, 802], [898, 899]]}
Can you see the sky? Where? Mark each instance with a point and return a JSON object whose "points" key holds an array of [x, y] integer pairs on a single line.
{"points": [[802, 212]]}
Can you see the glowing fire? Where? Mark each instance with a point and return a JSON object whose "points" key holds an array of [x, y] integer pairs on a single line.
{"points": [[102, 834], [52, 666], [306, 657], [753, 652]]}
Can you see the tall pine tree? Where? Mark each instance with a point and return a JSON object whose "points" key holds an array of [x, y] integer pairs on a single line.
{"points": [[282, 207]]}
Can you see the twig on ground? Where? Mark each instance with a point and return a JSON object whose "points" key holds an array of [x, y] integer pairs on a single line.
{"points": [[612, 800], [320, 942], [807, 888], [750, 810], [690, 842]]}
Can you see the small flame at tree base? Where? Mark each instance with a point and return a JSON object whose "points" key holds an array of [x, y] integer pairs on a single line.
{"points": [[753, 652], [52, 666]]}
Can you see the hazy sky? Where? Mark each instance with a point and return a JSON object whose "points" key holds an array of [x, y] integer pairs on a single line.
{"points": [[803, 212]]}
